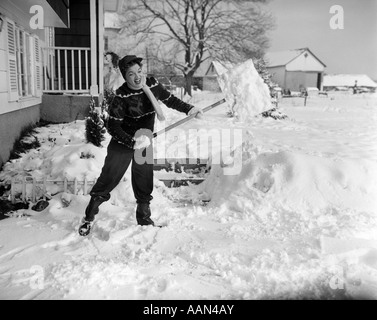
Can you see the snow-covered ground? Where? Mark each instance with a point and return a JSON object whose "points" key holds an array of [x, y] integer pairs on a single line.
{"points": [[297, 219]]}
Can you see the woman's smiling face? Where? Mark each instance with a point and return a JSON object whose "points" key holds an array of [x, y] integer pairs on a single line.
{"points": [[134, 76]]}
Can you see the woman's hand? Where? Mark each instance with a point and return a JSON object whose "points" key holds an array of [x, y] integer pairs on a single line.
{"points": [[199, 113], [142, 142]]}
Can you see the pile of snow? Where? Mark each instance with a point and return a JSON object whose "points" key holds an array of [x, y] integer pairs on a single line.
{"points": [[63, 154], [245, 90], [295, 181]]}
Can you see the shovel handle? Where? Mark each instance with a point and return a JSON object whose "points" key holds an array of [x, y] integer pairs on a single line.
{"points": [[178, 123]]}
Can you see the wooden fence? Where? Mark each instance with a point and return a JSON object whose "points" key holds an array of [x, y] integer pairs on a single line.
{"points": [[30, 188]]}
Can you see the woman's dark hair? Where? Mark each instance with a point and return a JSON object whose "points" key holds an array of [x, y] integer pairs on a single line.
{"points": [[114, 58], [124, 67]]}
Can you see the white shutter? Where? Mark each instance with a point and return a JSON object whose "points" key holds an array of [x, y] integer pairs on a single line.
{"points": [[32, 65], [12, 62], [38, 67]]}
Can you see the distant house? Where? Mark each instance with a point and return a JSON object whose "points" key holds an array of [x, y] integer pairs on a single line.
{"points": [[345, 82], [208, 72], [113, 27], [296, 69], [49, 73]]}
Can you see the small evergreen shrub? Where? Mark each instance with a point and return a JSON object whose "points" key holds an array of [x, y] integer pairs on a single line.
{"points": [[94, 126]]}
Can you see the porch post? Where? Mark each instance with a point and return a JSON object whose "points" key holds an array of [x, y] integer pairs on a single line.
{"points": [[93, 48], [101, 45]]}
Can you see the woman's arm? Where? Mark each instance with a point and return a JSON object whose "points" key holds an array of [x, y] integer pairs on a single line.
{"points": [[114, 126], [167, 98]]}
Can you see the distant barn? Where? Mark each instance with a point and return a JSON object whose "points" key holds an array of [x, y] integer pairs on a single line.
{"points": [[296, 69]]}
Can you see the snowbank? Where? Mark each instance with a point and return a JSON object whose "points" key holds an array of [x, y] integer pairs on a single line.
{"points": [[296, 181]]}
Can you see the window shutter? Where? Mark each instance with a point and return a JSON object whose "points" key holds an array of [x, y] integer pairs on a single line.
{"points": [[38, 67], [12, 62]]}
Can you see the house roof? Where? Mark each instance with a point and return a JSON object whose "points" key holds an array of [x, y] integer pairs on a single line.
{"points": [[282, 58], [55, 13], [348, 80], [222, 66], [206, 67]]}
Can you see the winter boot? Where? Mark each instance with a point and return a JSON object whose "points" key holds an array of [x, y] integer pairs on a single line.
{"points": [[92, 208], [85, 227], [90, 212], [143, 214]]}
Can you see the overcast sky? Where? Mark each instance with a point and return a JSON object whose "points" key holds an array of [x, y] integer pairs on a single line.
{"points": [[306, 23]]}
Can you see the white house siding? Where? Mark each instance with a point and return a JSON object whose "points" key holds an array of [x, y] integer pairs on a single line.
{"points": [[11, 124], [9, 97], [297, 80], [278, 75], [210, 83], [294, 80], [16, 112], [3, 68]]}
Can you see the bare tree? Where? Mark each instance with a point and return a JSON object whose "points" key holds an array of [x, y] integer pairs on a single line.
{"points": [[184, 33]]}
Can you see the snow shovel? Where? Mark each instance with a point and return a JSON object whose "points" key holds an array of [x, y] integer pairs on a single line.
{"points": [[184, 120]]}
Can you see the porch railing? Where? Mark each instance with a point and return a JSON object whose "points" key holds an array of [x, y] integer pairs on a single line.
{"points": [[66, 70]]}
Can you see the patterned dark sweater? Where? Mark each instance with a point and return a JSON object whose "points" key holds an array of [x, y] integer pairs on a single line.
{"points": [[131, 110]]}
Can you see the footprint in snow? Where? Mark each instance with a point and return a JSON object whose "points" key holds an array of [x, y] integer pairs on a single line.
{"points": [[101, 233]]}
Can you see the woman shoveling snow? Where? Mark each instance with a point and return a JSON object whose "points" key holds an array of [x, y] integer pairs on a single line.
{"points": [[132, 113]]}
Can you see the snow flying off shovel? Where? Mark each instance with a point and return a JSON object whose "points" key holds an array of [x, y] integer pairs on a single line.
{"points": [[184, 120], [254, 98]]}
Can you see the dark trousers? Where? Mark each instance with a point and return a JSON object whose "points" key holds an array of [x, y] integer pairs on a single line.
{"points": [[116, 164]]}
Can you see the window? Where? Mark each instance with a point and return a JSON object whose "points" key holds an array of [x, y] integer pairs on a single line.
{"points": [[23, 63], [106, 41]]}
